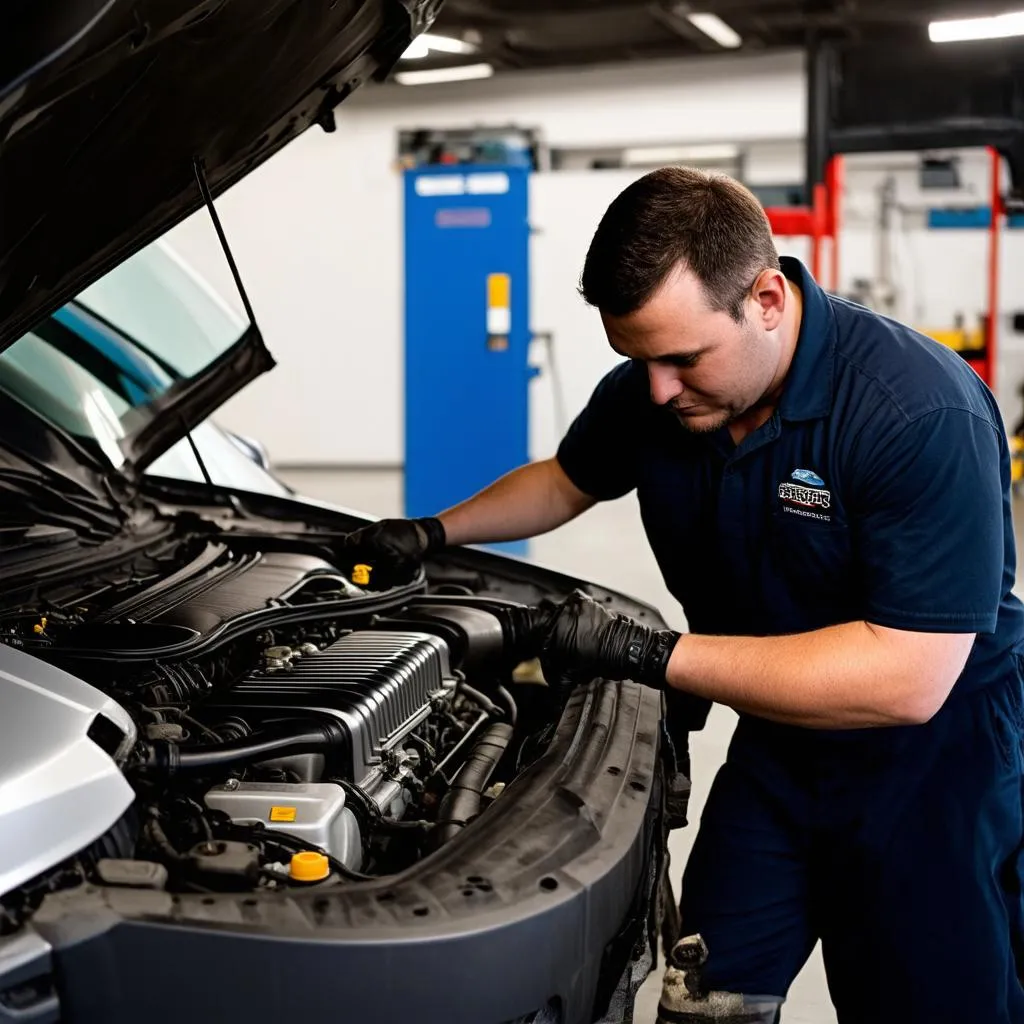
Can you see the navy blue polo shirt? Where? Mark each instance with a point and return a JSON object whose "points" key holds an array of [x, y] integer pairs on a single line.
{"points": [[878, 490]]}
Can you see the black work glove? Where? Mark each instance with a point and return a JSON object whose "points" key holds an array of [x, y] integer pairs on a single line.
{"points": [[396, 546], [677, 777], [584, 641]]}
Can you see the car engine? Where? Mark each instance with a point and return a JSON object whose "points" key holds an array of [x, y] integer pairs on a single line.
{"points": [[368, 711], [293, 728]]}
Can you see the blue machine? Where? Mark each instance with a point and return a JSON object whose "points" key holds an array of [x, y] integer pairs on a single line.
{"points": [[467, 331]]}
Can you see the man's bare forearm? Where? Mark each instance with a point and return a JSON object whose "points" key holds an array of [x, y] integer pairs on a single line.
{"points": [[529, 501], [850, 676]]}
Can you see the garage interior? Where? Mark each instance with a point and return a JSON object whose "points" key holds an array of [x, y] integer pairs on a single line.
{"points": [[609, 90], [890, 160]]}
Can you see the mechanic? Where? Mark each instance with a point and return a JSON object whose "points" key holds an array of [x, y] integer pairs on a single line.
{"points": [[827, 494]]}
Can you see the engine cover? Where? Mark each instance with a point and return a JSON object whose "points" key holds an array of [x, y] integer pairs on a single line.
{"points": [[218, 586], [378, 685]]}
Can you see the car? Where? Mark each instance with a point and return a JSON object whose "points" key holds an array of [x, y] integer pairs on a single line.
{"points": [[244, 776]]}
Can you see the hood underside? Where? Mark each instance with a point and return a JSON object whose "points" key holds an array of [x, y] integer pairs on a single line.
{"points": [[106, 105]]}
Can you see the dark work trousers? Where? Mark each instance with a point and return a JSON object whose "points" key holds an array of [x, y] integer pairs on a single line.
{"points": [[901, 849]]}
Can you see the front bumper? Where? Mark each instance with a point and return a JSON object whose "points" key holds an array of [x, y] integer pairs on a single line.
{"points": [[541, 902]]}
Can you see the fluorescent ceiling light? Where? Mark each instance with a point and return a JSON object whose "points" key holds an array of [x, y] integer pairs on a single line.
{"points": [[999, 26], [713, 26], [422, 45], [647, 155], [463, 73]]}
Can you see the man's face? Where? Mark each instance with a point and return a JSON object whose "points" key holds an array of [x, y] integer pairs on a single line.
{"points": [[709, 368]]}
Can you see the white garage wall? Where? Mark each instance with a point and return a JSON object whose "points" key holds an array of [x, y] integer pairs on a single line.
{"points": [[694, 100], [317, 233], [317, 236], [565, 208]]}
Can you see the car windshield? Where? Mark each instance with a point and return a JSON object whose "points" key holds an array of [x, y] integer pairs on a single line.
{"points": [[84, 378], [96, 367], [161, 303], [87, 390]]}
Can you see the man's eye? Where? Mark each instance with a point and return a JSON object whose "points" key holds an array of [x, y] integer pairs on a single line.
{"points": [[682, 362]]}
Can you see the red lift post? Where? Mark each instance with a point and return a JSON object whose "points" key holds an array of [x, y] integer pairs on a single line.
{"points": [[821, 221], [986, 366], [818, 222]]}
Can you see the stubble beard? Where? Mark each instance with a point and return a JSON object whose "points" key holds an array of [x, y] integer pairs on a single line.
{"points": [[705, 426]]}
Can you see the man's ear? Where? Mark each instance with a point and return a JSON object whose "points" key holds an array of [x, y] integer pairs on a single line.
{"points": [[770, 292]]}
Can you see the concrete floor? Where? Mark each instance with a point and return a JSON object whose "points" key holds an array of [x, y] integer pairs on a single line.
{"points": [[606, 545]]}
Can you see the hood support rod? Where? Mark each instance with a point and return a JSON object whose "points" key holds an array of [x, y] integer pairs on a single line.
{"points": [[204, 188]]}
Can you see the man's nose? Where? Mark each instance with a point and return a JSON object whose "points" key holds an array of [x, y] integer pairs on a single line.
{"points": [[665, 385]]}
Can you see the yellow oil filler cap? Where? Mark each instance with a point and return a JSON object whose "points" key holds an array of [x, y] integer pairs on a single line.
{"points": [[309, 867], [361, 575]]}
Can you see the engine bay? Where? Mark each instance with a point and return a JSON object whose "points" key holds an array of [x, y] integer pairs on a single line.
{"points": [[297, 725]]}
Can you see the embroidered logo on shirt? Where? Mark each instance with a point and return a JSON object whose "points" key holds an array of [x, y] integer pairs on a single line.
{"points": [[805, 476], [808, 497]]}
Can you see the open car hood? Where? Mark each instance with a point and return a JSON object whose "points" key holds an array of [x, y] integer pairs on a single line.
{"points": [[107, 106]]}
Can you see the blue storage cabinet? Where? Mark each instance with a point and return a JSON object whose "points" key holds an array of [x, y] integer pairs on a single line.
{"points": [[467, 331]]}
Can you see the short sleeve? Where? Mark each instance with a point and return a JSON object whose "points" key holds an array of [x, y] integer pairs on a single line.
{"points": [[928, 519], [599, 451]]}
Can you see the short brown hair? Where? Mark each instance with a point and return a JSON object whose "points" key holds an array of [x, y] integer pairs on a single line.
{"points": [[709, 222]]}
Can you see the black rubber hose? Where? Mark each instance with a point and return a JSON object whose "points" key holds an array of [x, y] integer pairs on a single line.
{"points": [[477, 697], [296, 738], [488, 705], [513, 710], [462, 801]]}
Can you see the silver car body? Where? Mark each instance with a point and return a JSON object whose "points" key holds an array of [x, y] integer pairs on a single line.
{"points": [[59, 791]]}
